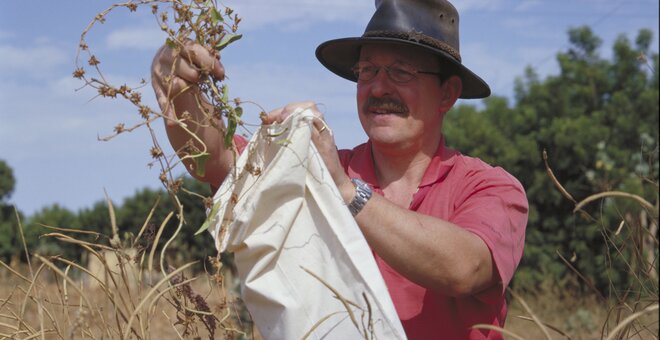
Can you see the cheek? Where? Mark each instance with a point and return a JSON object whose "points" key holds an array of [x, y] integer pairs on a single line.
{"points": [[362, 93]]}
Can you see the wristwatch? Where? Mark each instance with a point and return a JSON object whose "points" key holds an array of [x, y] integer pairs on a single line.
{"points": [[363, 193]]}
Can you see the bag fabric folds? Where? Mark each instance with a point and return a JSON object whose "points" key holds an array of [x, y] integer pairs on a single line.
{"points": [[305, 268]]}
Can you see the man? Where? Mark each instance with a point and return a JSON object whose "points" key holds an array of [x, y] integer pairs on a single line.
{"points": [[447, 230]]}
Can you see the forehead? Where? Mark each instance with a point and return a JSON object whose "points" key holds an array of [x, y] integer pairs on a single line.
{"points": [[390, 53]]}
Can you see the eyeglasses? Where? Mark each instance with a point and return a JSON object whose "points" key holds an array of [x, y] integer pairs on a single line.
{"points": [[398, 72]]}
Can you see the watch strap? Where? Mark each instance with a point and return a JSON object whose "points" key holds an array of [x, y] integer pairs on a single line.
{"points": [[363, 193]]}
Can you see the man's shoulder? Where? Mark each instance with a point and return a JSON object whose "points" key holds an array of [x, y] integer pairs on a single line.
{"points": [[479, 170], [471, 164]]}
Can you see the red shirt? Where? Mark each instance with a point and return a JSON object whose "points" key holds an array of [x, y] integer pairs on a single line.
{"points": [[480, 198]]}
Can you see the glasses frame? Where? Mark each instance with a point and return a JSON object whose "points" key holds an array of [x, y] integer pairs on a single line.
{"points": [[388, 69]]}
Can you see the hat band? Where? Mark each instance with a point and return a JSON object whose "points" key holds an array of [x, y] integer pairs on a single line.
{"points": [[416, 37]]}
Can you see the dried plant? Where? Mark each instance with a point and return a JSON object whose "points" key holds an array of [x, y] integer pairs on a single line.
{"points": [[204, 22], [121, 297], [631, 311], [365, 327]]}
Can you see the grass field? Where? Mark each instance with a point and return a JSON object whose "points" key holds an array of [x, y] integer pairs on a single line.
{"points": [[202, 308]]}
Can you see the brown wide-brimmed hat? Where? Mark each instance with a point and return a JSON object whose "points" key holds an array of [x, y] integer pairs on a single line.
{"points": [[430, 24]]}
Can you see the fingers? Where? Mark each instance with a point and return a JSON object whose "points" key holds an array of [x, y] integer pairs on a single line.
{"points": [[320, 125], [202, 59], [321, 134], [280, 114], [184, 70], [166, 95], [189, 63], [324, 128], [272, 117], [176, 72]]}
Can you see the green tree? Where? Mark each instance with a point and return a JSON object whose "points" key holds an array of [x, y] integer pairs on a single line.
{"points": [[7, 181], [9, 237], [96, 218], [598, 121], [52, 216], [131, 216], [186, 246]]}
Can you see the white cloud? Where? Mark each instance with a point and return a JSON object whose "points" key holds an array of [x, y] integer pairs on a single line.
{"points": [[294, 15], [527, 5], [470, 5], [49, 137], [65, 87], [520, 23], [140, 38], [42, 116], [533, 28], [31, 61], [299, 14]]}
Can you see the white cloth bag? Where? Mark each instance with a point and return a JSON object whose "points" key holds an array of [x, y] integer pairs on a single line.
{"points": [[281, 215]]}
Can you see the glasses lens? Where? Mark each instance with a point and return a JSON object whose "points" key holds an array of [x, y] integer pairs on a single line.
{"points": [[400, 73], [365, 71]]}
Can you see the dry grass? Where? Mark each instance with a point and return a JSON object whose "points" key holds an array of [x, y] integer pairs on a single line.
{"points": [[123, 293], [51, 312], [629, 312], [136, 295], [47, 307], [574, 316]]}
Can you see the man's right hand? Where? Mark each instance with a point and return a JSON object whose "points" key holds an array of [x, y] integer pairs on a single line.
{"points": [[175, 76], [184, 69]]}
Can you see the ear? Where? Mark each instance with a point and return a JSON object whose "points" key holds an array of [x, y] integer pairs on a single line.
{"points": [[451, 90]]}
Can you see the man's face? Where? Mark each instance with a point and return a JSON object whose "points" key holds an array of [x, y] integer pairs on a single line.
{"points": [[394, 113]]}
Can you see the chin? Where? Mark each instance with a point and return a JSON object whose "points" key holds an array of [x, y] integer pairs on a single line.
{"points": [[385, 138]]}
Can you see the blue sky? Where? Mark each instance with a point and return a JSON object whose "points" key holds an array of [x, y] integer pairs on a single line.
{"points": [[49, 130]]}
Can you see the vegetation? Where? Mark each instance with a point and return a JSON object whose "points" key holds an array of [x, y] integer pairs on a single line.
{"points": [[8, 234], [130, 217], [592, 129], [598, 122]]}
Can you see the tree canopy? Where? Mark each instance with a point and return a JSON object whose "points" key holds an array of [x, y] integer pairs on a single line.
{"points": [[8, 231], [598, 121]]}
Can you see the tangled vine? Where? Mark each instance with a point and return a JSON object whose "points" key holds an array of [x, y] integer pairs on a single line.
{"points": [[202, 21]]}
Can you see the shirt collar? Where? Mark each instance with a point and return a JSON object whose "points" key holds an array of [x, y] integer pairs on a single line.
{"points": [[362, 165], [440, 165]]}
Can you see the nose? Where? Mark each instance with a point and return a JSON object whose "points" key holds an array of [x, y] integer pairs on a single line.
{"points": [[381, 85]]}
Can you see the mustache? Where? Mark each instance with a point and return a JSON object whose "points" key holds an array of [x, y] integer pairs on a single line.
{"points": [[387, 103]]}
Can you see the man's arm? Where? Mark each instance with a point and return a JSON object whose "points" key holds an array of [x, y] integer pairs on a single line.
{"points": [[429, 251], [175, 77]]}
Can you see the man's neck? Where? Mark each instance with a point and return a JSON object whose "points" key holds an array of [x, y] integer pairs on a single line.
{"points": [[404, 165]]}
